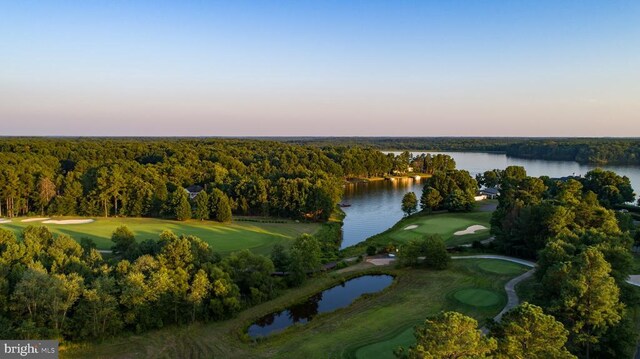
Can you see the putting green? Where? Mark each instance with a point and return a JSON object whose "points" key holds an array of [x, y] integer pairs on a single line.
{"points": [[477, 297], [422, 224], [500, 267]]}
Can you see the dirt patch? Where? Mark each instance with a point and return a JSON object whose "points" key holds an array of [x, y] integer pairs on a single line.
{"points": [[381, 261], [69, 221], [470, 230]]}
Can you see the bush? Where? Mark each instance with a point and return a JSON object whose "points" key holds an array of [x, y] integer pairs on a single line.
{"points": [[371, 250], [435, 252]]}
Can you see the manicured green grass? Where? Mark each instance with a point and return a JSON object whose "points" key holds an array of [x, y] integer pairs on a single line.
{"points": [[224, 238], [442, 224], [384, 349], [477, 297], [370, 328], [500, 267]]}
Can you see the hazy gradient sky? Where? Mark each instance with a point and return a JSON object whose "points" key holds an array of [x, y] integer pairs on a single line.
{"points": [[418, 68]]}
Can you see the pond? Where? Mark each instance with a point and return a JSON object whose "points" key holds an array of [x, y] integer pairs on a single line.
{"points": [[329, 300], [375, 206]]}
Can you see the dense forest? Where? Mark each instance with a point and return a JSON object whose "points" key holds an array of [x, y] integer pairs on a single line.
{"points": [[583, 251], [149, 177], [54, 287], [623, 151]]}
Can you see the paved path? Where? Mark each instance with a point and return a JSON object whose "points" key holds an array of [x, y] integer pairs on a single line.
{"points": [[512, 296], [634, 280], [510, 287]]}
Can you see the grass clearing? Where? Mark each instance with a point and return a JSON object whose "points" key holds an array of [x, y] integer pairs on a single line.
{"points": [[224, 238], [500, 267], [374, 324], [477, 297]]}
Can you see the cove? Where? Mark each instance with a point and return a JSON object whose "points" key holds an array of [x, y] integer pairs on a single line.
{"points": [[328, 300], [375, 206]]}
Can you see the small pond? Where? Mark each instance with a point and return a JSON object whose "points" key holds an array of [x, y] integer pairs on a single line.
{"points": [[329, 300]]}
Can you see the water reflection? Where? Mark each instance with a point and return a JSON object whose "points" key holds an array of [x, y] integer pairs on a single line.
{"points": [[375, 206], [329, 300]]}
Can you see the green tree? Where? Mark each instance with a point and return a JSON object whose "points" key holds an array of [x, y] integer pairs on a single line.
{"points": [[435, 253], [124, 242], [409, 203], [449, 335], [409, 252], [201, 202], [280, 257], [98, 315], [220, 206], [525, 332], [430, 199], [457, 201], [181, 206], [589, 299], [32, 298], [610, 188], [46, 192], [252, 274], [305, 256], [67, 289], [198, 291]]}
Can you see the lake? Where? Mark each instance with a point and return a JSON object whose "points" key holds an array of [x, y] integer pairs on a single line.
{"points": [[375, 206], [329, 300]]}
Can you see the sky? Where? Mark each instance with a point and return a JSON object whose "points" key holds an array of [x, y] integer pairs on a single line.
{"points": [[320, 68]]}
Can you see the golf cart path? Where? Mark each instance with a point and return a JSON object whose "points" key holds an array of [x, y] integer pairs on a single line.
{"points": [[510, 287]]}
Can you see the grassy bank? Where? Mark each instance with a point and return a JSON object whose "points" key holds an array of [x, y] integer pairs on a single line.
{"points": [[373, 324], [443, 224], [258, 235]]}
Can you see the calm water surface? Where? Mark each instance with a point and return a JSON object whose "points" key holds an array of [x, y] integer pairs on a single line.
{"points": [[329, 300], [375, 206]]}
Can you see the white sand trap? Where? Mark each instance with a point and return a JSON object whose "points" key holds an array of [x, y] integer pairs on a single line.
{"points": [[413, 226], [68, 221], [35, 219], [4, 220], [471, 230]]}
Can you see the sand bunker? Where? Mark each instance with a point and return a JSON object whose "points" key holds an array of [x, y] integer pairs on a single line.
{"points": [[34, 219], [4, 220], [69, 221], [471, 230], [413, 226]]}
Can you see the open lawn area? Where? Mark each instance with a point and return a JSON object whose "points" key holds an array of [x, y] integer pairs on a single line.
{"points": [[370, 328], [224, 238], [446, 225]]}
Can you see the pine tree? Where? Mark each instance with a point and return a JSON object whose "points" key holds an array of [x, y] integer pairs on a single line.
{"points": [[202, 206]]}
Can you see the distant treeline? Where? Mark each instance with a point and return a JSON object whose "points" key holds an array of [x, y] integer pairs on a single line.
{"points": [[624, 151]]}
